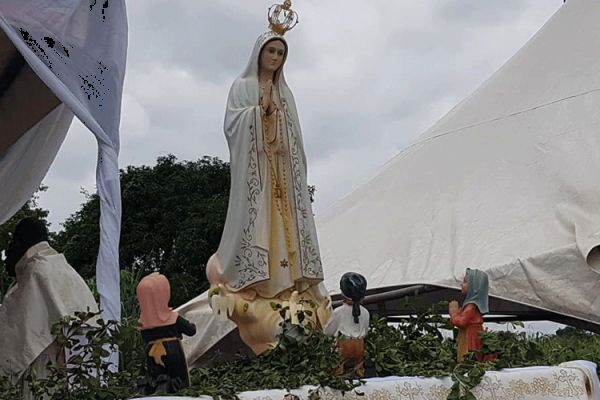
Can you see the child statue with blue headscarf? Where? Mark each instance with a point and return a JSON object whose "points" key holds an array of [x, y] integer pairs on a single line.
{"points": [[469, 318]]}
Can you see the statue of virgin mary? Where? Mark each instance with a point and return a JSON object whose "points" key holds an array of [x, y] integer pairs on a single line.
{"points": [[269, 241], [269, 247]]}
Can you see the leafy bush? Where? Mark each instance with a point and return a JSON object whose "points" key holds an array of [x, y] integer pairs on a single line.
{"points": [[303, 357], [87, 373], [414, 348]]}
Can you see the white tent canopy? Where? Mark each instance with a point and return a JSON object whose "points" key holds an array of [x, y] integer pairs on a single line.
{"points": [[59, 58], [505, 182]]}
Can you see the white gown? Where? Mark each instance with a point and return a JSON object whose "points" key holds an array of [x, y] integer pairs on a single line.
{"points": [[269, 242]]}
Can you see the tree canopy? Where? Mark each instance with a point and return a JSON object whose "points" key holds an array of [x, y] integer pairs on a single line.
{"points": [[172, 218]]}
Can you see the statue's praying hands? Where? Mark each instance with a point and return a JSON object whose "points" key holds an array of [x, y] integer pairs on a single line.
{"points": [[453, 307]]}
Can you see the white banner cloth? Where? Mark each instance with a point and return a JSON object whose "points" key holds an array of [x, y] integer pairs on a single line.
{"points": [[535, 383], [78, 49]]}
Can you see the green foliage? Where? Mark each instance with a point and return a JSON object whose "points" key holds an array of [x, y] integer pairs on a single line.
{"points": [[303, 357], [87, 373], [8, 390], [416, 348], [570, 344], [465, 377], [124, 338], [131, 346], [172, 219]]}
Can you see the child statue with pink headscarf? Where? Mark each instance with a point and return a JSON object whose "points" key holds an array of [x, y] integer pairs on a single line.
{"points": [[162, 330]]}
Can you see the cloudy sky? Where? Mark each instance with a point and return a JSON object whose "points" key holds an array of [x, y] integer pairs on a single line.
{"points": [[368, 77]]}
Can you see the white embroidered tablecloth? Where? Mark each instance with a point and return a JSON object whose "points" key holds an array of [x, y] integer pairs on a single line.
{"points": [[574, 380]]}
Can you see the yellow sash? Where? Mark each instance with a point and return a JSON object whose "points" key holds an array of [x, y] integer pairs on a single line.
{"points": [[158, 349]]}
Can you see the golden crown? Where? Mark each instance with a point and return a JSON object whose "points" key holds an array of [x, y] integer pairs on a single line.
{"points": [[282, 18]]}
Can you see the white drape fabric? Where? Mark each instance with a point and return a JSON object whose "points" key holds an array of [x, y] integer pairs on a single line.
{"points": [[25, 163], [505, 182], [589, 369], [209, 328], [78, 49]]}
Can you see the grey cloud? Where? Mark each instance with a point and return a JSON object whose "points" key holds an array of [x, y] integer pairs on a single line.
{"points": [[368, 77], [476, 12], [77, 163], [206, 37]]}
